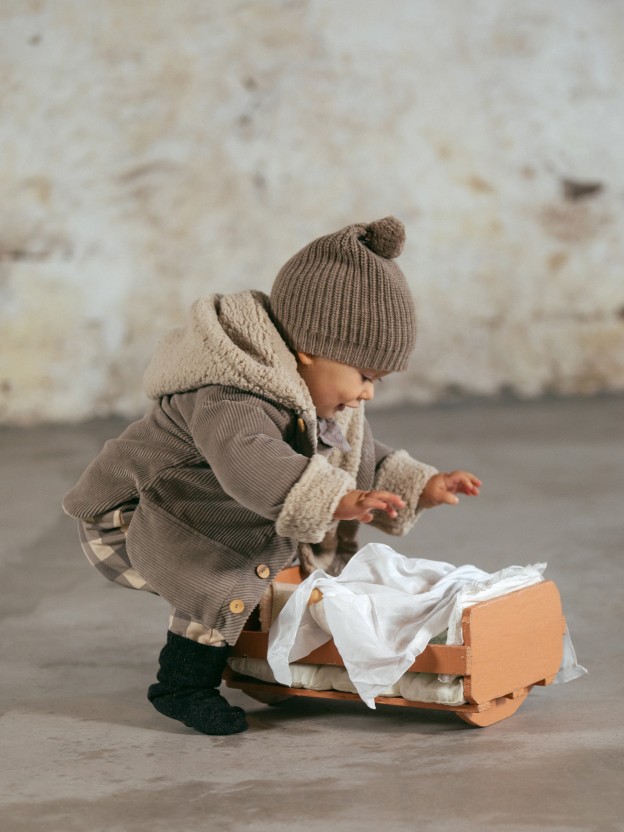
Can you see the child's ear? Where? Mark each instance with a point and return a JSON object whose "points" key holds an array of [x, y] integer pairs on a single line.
{"points": [[304, 358]]}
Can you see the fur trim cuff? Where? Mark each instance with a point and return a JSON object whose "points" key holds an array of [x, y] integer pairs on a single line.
{"points": [[407, 477], [307, 513]]}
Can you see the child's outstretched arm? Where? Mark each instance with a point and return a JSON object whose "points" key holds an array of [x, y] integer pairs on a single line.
{"points": [[443, 488]]}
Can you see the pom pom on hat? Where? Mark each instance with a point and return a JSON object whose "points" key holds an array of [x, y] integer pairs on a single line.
{"points": [[343, 297], [385, 237]]}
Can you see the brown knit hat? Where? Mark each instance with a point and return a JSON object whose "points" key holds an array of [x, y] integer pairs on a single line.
{"points": [[343, 297]]}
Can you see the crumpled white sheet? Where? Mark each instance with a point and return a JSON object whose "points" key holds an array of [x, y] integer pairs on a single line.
{"points": [[382, 611]]}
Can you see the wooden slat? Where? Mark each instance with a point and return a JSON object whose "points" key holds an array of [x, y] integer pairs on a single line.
{"points": [[437, 658]]}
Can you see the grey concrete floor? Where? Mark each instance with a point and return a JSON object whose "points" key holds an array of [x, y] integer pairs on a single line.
{"points": [[82, 749]]}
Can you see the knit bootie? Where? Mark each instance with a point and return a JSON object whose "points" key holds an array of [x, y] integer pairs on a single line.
{"points": [[188, 678]]}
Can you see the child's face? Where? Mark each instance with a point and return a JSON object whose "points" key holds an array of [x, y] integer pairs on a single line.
{"points": [[334, 386]]}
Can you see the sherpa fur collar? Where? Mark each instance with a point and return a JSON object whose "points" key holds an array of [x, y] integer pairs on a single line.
{"points": [[231, 340]]}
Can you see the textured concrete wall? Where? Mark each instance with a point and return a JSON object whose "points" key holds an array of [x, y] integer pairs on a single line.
{"points": [[156, 151]]}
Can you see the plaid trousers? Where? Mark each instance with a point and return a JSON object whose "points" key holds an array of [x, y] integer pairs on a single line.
{"points": [[103, 541]]}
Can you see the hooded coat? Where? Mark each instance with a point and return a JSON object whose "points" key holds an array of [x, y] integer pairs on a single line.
{"points": [[225, 469]]}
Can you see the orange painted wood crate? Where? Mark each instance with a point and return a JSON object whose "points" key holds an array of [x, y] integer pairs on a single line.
{"points": [[511, 643]]}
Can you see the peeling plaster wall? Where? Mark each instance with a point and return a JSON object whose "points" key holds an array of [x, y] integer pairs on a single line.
{"points": [[153, 152]]}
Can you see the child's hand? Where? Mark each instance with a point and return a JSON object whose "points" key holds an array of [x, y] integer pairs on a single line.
{"points": [[442, 488], [359, 505]]}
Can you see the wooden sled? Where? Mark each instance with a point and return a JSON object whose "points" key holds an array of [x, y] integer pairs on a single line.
{"points": [[510, 644]]}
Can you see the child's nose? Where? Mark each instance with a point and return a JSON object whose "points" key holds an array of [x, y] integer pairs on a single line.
{"points": [[368, 393]]}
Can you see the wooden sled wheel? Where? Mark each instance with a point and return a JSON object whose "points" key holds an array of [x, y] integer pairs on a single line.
{"points": [[499, 709]]}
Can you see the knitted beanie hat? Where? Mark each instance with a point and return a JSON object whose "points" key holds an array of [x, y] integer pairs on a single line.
{"points": [[343, 297]]}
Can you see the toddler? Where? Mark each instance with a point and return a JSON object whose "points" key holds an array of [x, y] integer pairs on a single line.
{"points": [[256, 451]]}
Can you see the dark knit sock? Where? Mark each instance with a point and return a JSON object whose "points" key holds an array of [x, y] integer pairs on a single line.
{"points": [[188, 678]]}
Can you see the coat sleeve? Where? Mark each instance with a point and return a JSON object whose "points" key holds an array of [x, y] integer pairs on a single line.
{"points": [[400, 473], [256, 467]]}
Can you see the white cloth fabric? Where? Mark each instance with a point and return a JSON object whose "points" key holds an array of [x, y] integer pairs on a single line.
{"points": [[417, 687], [382, 611]]}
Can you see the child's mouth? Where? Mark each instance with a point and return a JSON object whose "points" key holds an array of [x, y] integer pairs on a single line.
{"points": [[340, 407]]}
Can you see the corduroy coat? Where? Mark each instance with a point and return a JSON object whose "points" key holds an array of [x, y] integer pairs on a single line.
{"points": [[225, 469]]}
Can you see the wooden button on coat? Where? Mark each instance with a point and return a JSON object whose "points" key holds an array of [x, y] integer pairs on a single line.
{"points": [[263, 571], [237, 605], [301, 425]]}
